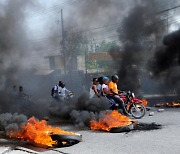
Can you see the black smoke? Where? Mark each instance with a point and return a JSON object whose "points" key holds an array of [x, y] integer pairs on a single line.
{"points": [[166, 61], [137, 35], [81, 110], [14, 59], [11, 122]]}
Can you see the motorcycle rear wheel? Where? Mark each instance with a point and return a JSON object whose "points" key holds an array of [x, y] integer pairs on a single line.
{"points": [[137, 110]]}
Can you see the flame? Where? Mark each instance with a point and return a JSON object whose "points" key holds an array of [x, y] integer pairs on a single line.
{"points": [[144, 102], [176, 104], [110, 120], [38, 132], [173, 104]]}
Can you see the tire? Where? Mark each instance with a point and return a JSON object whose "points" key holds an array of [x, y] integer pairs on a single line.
{"points": [[137, 114], [122, 129], [66, 140]]}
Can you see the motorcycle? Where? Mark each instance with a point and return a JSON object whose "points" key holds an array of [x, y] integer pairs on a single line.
{"points": [[69, 96], [133, 105]]}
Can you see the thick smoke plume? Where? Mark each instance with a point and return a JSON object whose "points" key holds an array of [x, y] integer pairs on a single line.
{"points": [[13, 41], [14, 59], [166, 61], [11, 122], [13, 46], [80, 111], [90, 13], [137, 34]]}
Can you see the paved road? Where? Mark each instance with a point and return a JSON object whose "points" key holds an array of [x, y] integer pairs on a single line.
{"points": [[162, 141]]}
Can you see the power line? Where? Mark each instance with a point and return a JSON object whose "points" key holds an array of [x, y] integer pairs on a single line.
{"points": [[83, 31], [51, 9], [96, 28], [175, 7]]}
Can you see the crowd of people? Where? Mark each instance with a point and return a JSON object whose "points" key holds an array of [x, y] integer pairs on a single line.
{"points": [[101, 87], [18, 92], [104, 87]]}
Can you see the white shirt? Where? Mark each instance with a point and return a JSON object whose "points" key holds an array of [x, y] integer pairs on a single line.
{"points": [[91, 93], [63, 91], [99, 88], [57, 87], [104, 86]]}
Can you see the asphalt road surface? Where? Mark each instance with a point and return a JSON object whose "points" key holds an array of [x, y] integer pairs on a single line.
{"points": [[162, 141]]}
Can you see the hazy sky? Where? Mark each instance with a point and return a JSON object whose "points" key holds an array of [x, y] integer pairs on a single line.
{"points": [[38, 17], [45, 16]]}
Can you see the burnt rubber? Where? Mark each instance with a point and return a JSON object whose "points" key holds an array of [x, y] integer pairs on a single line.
{"points": [[122, 129], [66, 140], [147, 126]]}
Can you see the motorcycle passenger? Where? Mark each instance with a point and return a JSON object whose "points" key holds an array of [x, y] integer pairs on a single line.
{"points": [[106, 93], [99, 86], [93, 90], [114, 93]]}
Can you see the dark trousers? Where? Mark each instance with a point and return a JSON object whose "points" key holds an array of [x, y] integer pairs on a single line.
{"points": [[120, 102]]}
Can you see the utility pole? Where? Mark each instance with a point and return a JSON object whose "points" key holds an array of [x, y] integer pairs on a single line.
{"points": [[63, 41]]}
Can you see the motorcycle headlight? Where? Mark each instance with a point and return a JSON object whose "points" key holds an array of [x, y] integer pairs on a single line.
{"points": [[133, 95]]}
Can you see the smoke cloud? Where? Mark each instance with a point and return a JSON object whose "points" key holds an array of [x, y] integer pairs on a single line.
{"points": [[91, 13], [80, 111], [166, 61], [13, 46], [11, 122], [137, 34]]}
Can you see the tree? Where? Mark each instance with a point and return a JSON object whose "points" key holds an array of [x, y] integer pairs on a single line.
{"points": [[105, 46], [76, 44]]}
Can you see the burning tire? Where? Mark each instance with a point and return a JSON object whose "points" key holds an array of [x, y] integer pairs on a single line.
{"points": [[122, 129], [66, 140], [137, 110]]}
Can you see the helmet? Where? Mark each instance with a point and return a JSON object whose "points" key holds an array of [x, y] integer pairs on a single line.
{"points": [[115, 78], [105, 78]]}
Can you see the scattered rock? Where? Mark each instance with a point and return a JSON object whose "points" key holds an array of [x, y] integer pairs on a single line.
{"points": [[160, 110], [148, 108], [151, 113]]}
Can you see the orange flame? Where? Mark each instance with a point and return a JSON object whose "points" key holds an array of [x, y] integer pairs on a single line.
{"points": [[144, 102], [173, 104], [110, 120], [38, 132], [176, 104]]}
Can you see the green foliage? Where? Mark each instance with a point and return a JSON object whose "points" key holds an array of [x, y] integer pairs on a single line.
{"points": [[105, 46], [92, 65], [75, 44]]}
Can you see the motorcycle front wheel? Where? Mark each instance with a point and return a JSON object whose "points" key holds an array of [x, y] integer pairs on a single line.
{"points": [[137, 110]]}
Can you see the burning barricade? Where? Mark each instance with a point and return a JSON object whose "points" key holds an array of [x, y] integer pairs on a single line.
{"points": [[113, 122], [40, 134]]}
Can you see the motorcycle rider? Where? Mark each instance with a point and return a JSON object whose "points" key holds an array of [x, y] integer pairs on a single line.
{"points": [[56, 90], [93, 90], [63, 91], [114, 93]]}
